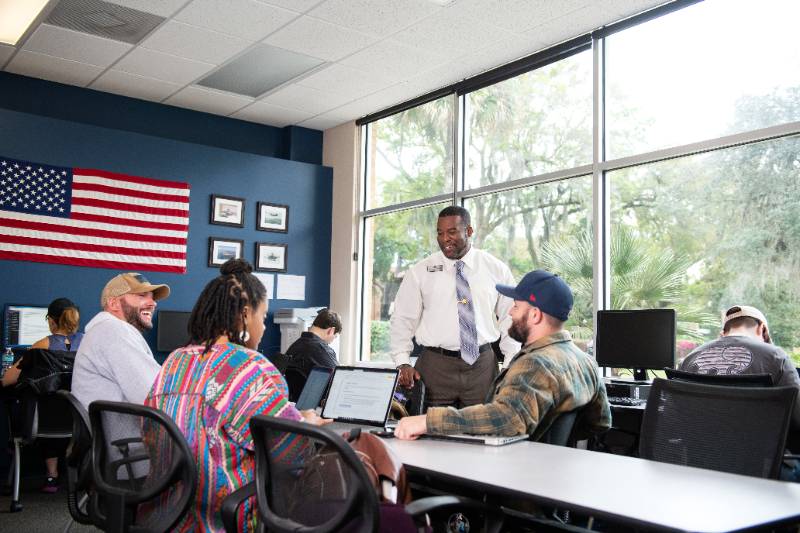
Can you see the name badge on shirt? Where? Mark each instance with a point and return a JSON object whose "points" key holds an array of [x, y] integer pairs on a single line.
{"points": [[435, 268]]}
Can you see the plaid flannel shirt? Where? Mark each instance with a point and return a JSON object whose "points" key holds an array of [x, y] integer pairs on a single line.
{"points": [[546, 378]]}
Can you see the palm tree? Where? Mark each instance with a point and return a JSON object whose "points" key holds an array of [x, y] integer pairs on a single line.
{"points": [[642, 277]]}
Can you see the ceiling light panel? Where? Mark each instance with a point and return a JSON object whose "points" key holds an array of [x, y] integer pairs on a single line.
{"points": [[104, 19], [17, 16], [262, 68]]}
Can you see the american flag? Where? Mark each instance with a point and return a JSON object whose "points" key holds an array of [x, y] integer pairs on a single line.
{"points": [[78, 216]]}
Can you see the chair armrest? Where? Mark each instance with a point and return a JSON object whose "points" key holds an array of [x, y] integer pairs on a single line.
{"points": [[231, 504]]}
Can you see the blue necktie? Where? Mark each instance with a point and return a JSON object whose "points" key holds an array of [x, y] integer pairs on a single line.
{"points": [[466, 317]]}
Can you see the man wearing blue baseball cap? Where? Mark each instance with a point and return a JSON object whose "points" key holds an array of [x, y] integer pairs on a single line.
{"points": [[548, 377]]}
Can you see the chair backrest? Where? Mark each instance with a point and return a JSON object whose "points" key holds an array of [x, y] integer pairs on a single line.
{"points": [[143, 470], [296, 380], [309, 477], [735, 380], [561, 430], [732, 429], [79, 460], [280, 361]]}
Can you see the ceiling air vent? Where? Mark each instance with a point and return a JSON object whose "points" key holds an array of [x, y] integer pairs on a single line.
{"points": [[104, 19]]}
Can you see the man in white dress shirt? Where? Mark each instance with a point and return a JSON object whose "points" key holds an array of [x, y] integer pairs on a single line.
{"points": [[448, 302]]}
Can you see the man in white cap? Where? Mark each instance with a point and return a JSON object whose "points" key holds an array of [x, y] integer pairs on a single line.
{"points": [[114, 362], [745, 347]]}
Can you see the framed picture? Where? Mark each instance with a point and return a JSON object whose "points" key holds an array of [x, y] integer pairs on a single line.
{"points": [[227, 211], [220, 250], [271, 257], [273, 217]]}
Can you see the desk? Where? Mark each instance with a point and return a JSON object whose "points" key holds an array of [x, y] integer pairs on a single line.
{"points": [[658, 495]]}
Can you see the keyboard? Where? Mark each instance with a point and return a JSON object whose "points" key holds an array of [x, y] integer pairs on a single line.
{"points": [[630, 402]]}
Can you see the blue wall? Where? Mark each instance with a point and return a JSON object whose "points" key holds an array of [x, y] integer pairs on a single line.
{"points": [[34, 135]]}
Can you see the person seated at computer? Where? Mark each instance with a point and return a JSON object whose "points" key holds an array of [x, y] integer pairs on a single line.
{"points": [[213, 387], [312, 348], [745, 347], [63, 320], [548, 377]]}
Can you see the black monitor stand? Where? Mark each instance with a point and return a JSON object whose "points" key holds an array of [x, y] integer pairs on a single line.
{"points": [[640, 374]]}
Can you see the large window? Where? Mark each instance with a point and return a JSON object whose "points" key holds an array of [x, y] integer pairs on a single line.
{"points": [[696, 181], [706, 232], [705, 71], [532, 124]]}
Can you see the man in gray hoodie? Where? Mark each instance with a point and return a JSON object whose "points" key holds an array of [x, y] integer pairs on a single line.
{"points": [[114, 362]]}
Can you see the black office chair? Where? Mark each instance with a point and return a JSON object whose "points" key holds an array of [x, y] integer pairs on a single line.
{"points": [[309, 479], [37, 413], [79, 462], [731, 429], [735, 380], [143, 471], [562, 432], [296, 380], [280, 361]]}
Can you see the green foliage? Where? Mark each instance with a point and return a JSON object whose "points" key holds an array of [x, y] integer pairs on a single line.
{"points": [[379, 336]]}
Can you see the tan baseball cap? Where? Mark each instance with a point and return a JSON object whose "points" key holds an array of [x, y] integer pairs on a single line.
{"points": [[737, 311], [131, 283]]}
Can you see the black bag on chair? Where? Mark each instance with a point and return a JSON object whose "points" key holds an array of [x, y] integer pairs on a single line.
{"points": [[46, 371]]}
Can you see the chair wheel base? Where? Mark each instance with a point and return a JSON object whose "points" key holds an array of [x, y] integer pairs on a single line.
{"points": [[15, 507]]}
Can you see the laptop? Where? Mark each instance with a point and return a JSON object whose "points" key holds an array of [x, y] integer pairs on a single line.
{"points": [[486, 440], [314, 389], [360, 395]]}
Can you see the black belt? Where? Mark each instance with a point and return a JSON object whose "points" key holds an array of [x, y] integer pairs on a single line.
{"points": [[456, 353]]}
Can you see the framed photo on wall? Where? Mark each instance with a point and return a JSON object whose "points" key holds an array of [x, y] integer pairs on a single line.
{"points": [[220, 250], [271, 257], [272, 217], [227, 211]]}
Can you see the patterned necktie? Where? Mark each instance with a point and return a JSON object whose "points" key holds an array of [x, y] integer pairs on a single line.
{"points": [[466, 317]]}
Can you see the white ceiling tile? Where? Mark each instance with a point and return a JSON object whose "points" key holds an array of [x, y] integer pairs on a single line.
{"points": [[517, 15], [75, 46], [161, 66], [452, 31], [498, 54], [438, 77], [301, 6], [347, 80], [187, 41], [566, 27], [118, 82], [627, 8], [379, 17], [272, 115], [320, 39], [322, 122], [246, 19], [38, 65], [207, 100], [392, 60], [5, 53], [375, 102], [306, 99], [164, 8]]}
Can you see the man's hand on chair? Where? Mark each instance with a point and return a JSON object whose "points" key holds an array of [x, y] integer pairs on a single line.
{"points": [[407, 376]]}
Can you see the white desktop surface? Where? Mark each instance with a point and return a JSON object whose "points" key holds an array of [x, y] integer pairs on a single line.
{"points": [[656, 494]]}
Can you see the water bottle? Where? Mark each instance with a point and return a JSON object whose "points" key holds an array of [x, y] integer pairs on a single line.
{"points": [[8, 360]]}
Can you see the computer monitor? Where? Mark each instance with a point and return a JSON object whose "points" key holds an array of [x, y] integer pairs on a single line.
{"points": [[23, 325], [172, 330], [640, 339]]}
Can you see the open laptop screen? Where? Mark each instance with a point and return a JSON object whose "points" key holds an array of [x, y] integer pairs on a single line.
{"points": [[314, 388], [360, 395]]}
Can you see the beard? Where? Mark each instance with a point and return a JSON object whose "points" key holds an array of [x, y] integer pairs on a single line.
{"points": [[133, 317], [519, 330]]}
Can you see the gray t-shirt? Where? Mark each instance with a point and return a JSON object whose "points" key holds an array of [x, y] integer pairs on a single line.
{"points": [[737, 354], [113, 363]]}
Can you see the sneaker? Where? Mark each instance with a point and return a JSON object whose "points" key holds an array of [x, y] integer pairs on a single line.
{"points": [[51, 485]]}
